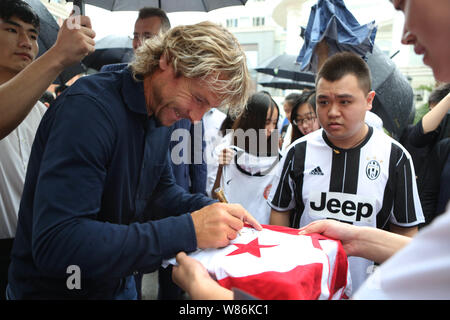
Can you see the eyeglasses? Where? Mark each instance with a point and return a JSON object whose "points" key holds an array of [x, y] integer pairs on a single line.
{"points": [[298, 121], [142, 37]]}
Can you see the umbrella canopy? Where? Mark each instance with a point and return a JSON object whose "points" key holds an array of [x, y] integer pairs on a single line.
{"points": [[108, 50], [269, 81], [330, 20], [285, 66], [166, 5], [394, 99], [47, 37]]}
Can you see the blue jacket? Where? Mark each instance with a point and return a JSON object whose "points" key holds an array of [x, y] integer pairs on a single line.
{"points": [[97, 167], [191, 175]]}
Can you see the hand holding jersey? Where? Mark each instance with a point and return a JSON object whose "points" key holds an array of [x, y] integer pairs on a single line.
{"points": [[370, 243], [193, 277]]}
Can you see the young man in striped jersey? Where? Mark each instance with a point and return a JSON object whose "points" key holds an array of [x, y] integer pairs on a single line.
{"points": [[346, 171]]}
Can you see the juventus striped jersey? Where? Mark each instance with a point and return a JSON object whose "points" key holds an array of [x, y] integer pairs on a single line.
{"points": [[372, 184]]}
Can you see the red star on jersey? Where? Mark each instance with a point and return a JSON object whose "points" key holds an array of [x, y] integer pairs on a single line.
{"points": [[253, 247]]}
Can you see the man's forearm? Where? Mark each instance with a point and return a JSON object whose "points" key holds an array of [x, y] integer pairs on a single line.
{"points": [[208, 289], [433, 118], [378, 245], [20, 94]]}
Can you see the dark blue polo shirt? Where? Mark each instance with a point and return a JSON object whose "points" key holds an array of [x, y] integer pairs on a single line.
{"points": [[97, 166]]}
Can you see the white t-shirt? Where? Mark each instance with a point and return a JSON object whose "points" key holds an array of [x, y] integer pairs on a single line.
{"points": [[421, 270], [15, 151]]}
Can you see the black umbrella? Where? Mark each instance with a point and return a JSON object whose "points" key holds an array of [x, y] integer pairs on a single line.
{"points": [[47, 37], [108, 50], [269, 81], [394, 99], [166, 5], [285, 66]]}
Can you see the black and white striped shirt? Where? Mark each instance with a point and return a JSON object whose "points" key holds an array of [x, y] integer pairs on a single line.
{"points": [[372, 184]]}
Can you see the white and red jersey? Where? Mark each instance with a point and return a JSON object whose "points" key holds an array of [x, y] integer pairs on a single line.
{"points": [[278, 264]]}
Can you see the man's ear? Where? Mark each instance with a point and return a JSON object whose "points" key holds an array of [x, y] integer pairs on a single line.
{"points": [[369, 99]]}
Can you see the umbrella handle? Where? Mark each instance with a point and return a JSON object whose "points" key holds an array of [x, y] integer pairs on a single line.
{"points": [[80, 5]]}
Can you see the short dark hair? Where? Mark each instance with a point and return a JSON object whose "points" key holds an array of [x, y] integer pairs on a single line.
{"points": [[149, 12], [343, 63], [439, 93], [19, 9]]}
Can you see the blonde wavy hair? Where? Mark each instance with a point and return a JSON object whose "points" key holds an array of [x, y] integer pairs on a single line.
{"points": [[204, 51]]}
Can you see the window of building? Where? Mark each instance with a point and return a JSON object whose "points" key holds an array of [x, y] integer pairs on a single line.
{"points": [[232, 23], [259, 21]]}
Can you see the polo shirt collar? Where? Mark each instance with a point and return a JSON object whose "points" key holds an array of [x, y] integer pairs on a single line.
{"points": [[133, 93]]}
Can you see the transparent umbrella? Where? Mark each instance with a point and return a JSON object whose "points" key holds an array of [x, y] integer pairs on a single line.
{"points": [[394, 99]]}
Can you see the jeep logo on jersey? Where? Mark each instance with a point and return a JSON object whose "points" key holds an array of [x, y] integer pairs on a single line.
{"points": [[341, 206], [373, 169]]}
